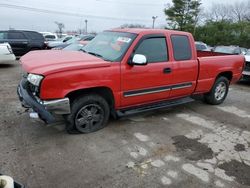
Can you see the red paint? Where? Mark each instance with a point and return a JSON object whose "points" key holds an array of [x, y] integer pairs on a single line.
{"points": [[66, 72]]}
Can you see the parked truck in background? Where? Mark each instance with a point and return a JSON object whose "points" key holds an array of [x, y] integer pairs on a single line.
{"points": [[122, 72]]}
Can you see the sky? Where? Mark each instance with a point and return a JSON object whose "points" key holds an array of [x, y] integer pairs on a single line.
{"points": [[101, 14]]}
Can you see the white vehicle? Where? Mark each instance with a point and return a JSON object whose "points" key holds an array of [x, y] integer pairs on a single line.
{"points": [[201, 46], [49, 36], [53, 44], [6, 54], [246, 72]]}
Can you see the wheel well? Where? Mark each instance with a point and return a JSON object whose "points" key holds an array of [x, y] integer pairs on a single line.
{"points": [[105, 92], [228, 75]]}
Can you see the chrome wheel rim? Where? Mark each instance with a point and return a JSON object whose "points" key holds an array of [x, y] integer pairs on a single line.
{"points": [[89, 118], [220, 91]]}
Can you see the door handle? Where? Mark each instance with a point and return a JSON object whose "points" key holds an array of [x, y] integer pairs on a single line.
{"points": [[167, 70]]}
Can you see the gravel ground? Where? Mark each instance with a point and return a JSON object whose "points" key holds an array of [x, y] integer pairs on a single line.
{"points": [[193, 145]]}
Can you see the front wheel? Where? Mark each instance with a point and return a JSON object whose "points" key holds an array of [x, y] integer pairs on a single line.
{"points": [[89, 113], [219, 91]]}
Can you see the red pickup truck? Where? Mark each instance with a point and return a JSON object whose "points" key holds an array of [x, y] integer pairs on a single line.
{"points": [[122, 72]]}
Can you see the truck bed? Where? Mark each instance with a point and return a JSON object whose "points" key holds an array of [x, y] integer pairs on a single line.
{"points": [[209, 53], [211, 64]]}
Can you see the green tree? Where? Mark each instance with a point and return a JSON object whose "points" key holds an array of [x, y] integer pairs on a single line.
{"points": [[183, 14], [224, 33]]}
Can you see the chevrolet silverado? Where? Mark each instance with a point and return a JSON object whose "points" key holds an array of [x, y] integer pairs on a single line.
{"points": [[122, 72]]}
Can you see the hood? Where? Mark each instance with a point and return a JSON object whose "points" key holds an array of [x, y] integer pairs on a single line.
{"points": [[50, 61], [52, 44]]}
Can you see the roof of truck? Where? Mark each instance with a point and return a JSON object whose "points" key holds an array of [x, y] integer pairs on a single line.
{"points": [[148, 31]]}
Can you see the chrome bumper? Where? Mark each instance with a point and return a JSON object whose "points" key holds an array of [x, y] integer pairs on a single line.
{"points": [[44, 109], [59, 106]]}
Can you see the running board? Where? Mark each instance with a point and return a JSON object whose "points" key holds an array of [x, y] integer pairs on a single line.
{"points": [[154, 106]]}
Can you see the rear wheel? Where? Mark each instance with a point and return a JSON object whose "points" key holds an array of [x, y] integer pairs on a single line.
{"points": [[89, 113], [219, 91]]}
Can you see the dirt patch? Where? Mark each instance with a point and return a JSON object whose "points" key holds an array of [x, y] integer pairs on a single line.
{"points": [[239, 147], [239, 170], [192, 149]]}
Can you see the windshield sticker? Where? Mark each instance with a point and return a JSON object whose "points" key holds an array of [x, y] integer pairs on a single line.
{"points": [[124, 39]]}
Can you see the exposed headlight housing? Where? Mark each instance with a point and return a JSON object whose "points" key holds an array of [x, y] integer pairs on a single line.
{"points": [[35, 79]]}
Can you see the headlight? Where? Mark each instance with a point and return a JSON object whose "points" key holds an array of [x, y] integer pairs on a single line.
{"points": [[35, 79]]}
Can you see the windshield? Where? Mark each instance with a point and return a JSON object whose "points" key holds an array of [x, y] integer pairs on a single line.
{"points": [[248, 52], [110, 45]]}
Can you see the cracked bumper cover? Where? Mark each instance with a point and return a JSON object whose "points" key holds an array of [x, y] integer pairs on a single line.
{"points": [[43, 108]]}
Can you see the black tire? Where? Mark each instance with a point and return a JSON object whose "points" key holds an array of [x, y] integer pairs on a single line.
{"points": [[89, 113], [217, 96]]}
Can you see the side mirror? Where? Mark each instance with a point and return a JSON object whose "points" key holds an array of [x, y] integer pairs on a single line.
{"points": [[139, 59]]}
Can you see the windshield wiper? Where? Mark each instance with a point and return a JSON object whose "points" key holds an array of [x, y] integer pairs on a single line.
{"points": [[83, 50], [95, 54]]}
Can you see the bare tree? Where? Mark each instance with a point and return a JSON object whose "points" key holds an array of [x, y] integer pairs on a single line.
{"points": [[247, 15], [240, 10], [219, 12], [60, 28]]}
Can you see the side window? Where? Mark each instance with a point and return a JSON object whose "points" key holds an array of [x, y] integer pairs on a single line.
{"points": [[181, 47], [16, 35], [155, 49], [3, 35], [33, 35]]}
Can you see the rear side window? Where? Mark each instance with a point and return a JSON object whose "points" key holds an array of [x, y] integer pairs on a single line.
{"points": [[181, 47], [34, 35], [16, 35], [50, 36], [155, 49]]}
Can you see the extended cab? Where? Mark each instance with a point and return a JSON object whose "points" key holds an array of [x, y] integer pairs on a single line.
{"points": [[121, 72]]}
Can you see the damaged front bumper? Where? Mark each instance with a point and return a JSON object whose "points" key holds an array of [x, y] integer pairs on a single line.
{"points": [[44, 109]]}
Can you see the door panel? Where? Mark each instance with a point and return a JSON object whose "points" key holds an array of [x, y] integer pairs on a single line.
{"points": [[18, 42], [185, 66], [151, 82], [185, 74], [143, 84]]}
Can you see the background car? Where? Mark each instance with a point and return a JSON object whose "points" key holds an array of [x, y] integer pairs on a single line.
{"points": [[243, 50], [74, 47], [6, 53], [227, 49], [53, 44], [22, 42], [201, 46], [49, 36], [246, 72], [83, 39]]}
